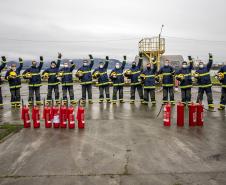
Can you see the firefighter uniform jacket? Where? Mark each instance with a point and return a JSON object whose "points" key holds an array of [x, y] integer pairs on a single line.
{"points": [[103, 78], [167, 72], [136, 71], [35, 80], [14, 83], [67, 78], [223, 81], [186, 82], [87, 75], [119, 80], [149, 77], [204, 79], [1, 68], [52, 72]]}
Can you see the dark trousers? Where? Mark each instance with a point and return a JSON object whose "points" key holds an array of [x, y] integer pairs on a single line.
{"points": [[209, 95], [87, 88], [186, 95], [150, 92], [69, 89], [52, 88], [1, 99], [32, 91], [117, 89], [168, 91], [15, 95], [223, 96], [105, 88], [133, 91]]}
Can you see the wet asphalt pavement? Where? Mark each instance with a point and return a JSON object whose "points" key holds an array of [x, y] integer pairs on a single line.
{"points": [[122, 144]]}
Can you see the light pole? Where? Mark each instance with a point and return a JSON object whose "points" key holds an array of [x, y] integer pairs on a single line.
{"points": [[159, 45]]}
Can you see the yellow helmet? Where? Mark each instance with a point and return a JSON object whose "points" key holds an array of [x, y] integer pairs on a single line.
{"points": [[180, 76], [12, 74], [114, 74], [60, 74], [220, 76], [128, 73], [46, 75], [195, 74], [159, 77], [96, 74], [79, 74], [142, 76], [28, 75]]}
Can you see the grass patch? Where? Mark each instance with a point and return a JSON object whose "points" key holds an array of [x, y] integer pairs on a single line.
{"points": [[7, 129]]}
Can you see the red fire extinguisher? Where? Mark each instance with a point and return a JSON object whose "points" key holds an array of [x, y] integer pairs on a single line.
{"points": [[71, 117], [192, 114], [63, 116], [55, 116], [80, 116], [25, 116], [36, 116], [167, 115], [200, 109], [180, 114], [47, 117]]}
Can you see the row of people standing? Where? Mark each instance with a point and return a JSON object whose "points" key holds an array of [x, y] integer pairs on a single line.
{"points": [[142, 80]]}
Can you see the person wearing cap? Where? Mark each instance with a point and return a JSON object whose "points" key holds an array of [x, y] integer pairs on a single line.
{"points": [[135, 80], [53, 81], [204, 82], [67, 81], [148, 79], [103, 80], [184, 76], [167, 71], [222, 80], [86, 79], [34, 77], [2, 66], [14, 79], [117, 78]]}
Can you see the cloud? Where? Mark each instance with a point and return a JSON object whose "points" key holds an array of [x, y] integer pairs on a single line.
{"points": [[105, 20]]}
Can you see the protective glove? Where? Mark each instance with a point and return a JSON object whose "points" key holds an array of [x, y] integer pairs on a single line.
{"points": [[4, 58], [71, 61], [210, 56], [90, 56], [41, 58], [59, 55]]}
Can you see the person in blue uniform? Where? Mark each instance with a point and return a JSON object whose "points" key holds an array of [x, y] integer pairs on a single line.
{"points": [[34, 77], [117, 78], [167, 71], [103, 81], [204, 82], [184, 76], [14, 78], [53, 81]]}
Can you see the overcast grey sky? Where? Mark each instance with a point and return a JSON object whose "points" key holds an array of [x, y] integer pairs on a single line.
{"points": [[117, 25]]}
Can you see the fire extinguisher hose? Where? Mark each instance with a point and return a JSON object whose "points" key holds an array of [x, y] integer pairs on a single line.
{"points": [[160, 111]]}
